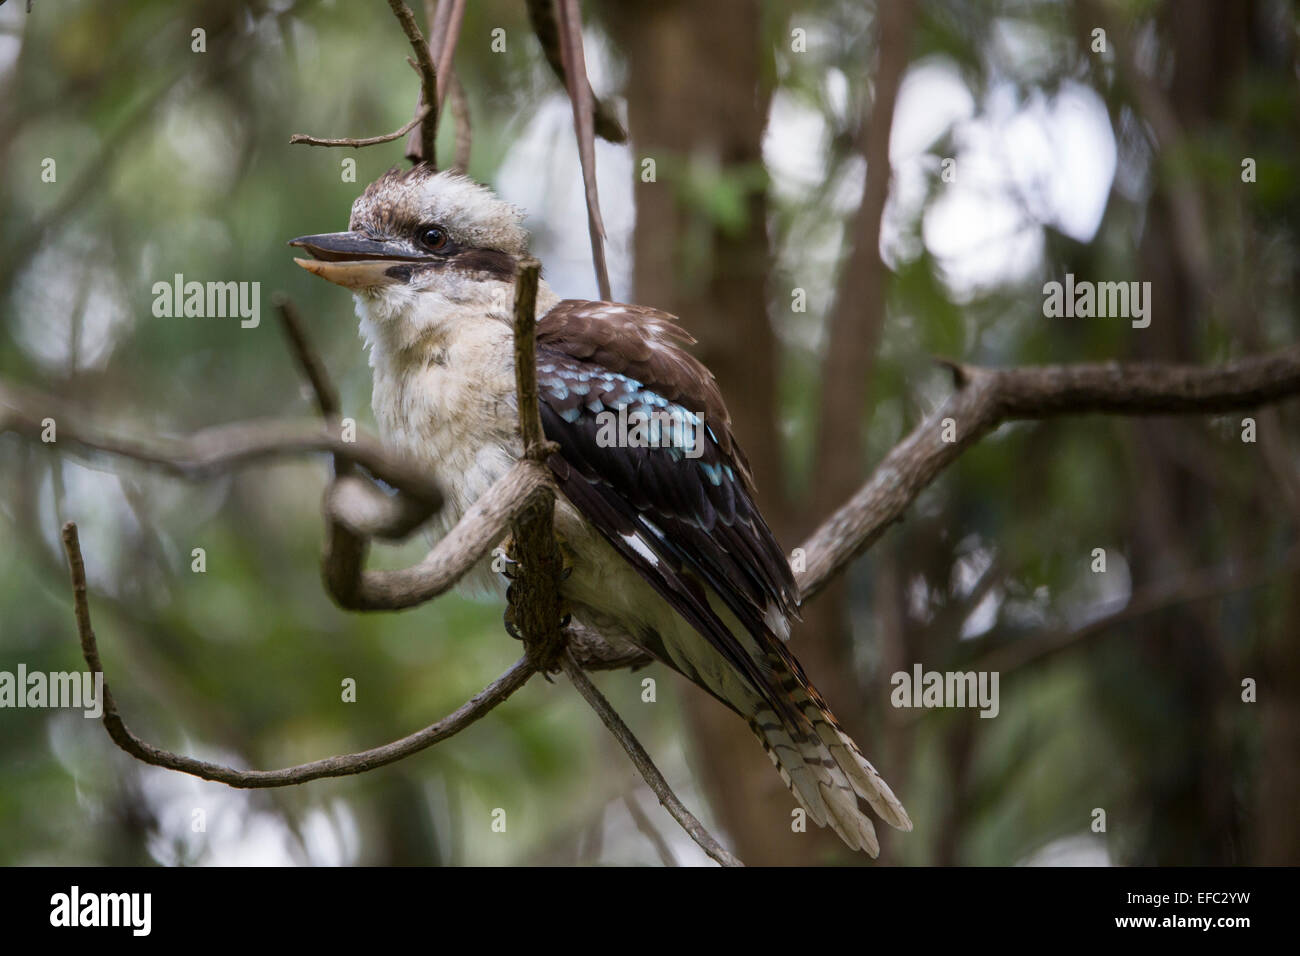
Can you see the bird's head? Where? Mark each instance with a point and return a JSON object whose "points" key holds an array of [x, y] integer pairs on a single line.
{"points": [[420, 243]]}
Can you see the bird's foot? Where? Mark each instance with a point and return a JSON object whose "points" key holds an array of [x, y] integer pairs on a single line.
{"points": [[510, 618], [544, 653]]}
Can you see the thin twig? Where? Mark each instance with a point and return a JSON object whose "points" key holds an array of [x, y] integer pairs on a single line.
{"points": [[217, 450], [337, 766], [435, 15], [420, 115], [444, 32], [581, 98], [308, 360], [530, 418], [541, 13], [649, 830], [428, 81], [464, 132], [446, 40], [534, 595], [354, 509], [649, 772]]}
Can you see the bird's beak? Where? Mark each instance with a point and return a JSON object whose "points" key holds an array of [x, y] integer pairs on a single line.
{"points": [[355, 260]]}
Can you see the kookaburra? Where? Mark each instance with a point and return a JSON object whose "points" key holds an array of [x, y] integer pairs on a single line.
{"points": [[669, 552]]}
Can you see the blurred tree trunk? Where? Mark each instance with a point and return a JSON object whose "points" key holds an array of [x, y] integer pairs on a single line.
{"points": [[1185, 779], [698, 92]]}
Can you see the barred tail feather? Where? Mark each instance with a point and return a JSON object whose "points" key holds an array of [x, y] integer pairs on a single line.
{"points": [[869, 785], [866, 780], [816, 781], [823, 767], [819, 763]]}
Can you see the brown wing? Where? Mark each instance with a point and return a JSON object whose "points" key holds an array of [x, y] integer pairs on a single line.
{"points": [[681, 521]]}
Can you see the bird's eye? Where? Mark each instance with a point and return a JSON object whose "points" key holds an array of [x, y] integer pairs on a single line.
{"points": [[433, 238]]}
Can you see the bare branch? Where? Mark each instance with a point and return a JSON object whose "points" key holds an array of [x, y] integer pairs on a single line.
{"points": [[444, 30], [308, 360], [368, 512], [428, 82], [987, 397], [355, 508], [649, 772], [464, 132], [216, 450], [534, 595], [444, 41], [421, 114], [541, 13], [530, 418], [338, 766], [648, 830], [582, 100], [480, 529]]}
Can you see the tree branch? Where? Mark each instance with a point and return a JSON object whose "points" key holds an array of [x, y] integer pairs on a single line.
{"points": [[524, 500], [464, 131], [338, 766], [215, 450], [481, 528], [308, 360], [541, 13], [534, 594], [582, 100], [649, 772], [421, 114], [428, 82], [987, 397], [648, 830]]}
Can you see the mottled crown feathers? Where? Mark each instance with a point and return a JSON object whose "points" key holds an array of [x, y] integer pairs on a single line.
{"points": [[400, 201]]}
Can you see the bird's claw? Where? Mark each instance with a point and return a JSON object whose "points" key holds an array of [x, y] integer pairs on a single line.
{"points": [[506, 566], [509, 618], [566, 561]]}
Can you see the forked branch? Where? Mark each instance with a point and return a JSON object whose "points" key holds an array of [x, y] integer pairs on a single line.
{"points": [[985, 398]]}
